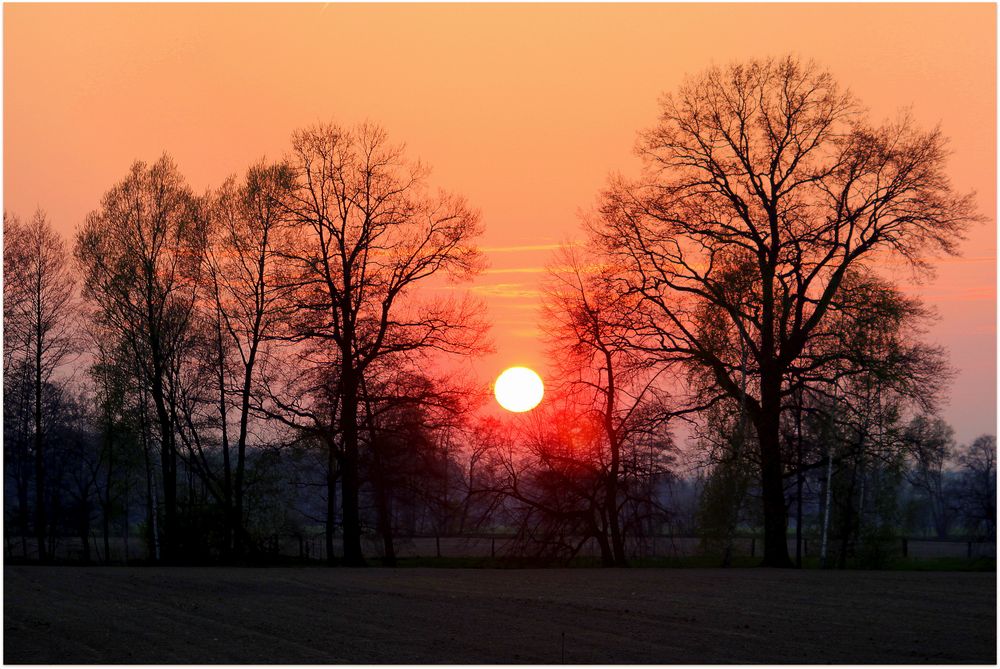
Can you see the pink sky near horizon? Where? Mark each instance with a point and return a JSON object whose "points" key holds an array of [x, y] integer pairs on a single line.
{"points": [[524, 109]]}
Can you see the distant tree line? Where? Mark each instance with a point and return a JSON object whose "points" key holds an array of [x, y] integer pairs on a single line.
{"points": [[203, 372]]}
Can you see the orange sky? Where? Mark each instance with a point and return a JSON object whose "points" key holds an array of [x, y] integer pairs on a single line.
{"points": [[522, 108]]}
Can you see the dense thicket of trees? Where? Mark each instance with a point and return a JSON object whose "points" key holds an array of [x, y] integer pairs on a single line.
{"points": [[263, 361]]}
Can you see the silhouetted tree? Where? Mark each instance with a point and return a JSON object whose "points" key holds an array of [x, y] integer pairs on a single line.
{"points": [[977, 486], [142, 255], [770, 167], [17, 399], [409, 419], [929, 444], [588, 327], [869, 370], [375, 233], [114, 410], [248, 288], [39, 324], [726, 441]]}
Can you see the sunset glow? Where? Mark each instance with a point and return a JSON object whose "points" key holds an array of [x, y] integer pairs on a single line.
{"points": [[519, 389], [85, 95], [727, 268]]}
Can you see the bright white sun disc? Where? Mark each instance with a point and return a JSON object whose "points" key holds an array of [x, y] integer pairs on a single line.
{"points": [[518, 389]]}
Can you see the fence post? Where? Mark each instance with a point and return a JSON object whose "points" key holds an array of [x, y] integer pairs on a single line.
{"points": [[753, 546], [969, 551], [437, 545], [906, 548], [805, 547], [493, 547]]}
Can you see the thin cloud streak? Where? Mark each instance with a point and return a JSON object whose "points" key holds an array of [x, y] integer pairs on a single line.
{"points": [[507, 290], [526, 247], [515, 270], [974, 294]]}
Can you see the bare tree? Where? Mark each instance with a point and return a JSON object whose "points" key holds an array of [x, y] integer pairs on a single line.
{"points": [[110, 372], [863, 373], [16, 287], [39, 323], [17, 424], [588, 327], [930, 445], [408, 420], [977, 486], [769, 167], [248, 286], [142, 254], [375, 234]]}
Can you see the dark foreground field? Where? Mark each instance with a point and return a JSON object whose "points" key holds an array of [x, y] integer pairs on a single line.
{"points": [[304, 615]]}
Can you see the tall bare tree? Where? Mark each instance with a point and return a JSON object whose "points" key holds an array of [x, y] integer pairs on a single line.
{"points": [[771, 169], [16, 370], [39, 325], [248, 289], [375, 234], [142, 254]]}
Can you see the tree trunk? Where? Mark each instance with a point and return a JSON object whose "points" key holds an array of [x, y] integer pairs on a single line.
{"points": [[168, 463], [236, 510], [106, 516], [827, 495], [168, 452], [23, 483], [350, 483], [607, 555], [107, 528], [611, 508], [231, 539], [611, 487], [84, 529], [385, 525], [380, 482], [772, 480], [125, 515], [798, 481], [241, 444], [39, 454], [331, 501], [153, 537]]}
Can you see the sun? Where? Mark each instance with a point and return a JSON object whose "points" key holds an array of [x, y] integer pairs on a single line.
{"points": [[518, 389]]}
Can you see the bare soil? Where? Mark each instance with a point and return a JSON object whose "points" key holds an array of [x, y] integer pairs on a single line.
{"points": [[318, 615]]}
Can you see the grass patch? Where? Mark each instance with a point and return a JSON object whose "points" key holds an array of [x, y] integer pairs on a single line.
{"points": [[690, 562], [687, 562], [943, 564], [694, 562]]}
